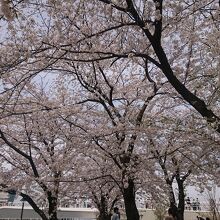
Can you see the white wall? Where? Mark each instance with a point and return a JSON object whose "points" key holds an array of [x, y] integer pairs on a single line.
{"points": [[86, 213]]}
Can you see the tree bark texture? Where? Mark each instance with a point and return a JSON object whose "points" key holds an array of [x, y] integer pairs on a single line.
{"points": [[52, 207], [103, 209], [181, 204], [129, 200]]}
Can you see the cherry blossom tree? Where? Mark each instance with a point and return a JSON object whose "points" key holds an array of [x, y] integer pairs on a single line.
{"points": [[183, 161], [155, 32], [39, 149], [123, 53], [95, 181], [116, 113], [104, 194]]}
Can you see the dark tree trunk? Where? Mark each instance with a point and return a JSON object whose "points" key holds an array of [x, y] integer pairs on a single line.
{"points": [[174, 211], [181, 205], [104, 216], [103, 209], [178, 212], [172, 200], [171, 196], [129, 200], [52, 207]]}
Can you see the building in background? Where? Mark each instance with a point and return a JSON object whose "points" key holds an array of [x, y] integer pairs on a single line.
{"points": [[3, 198]]}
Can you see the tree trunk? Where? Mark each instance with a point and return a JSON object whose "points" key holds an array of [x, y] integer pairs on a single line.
{"points": [[104, 216], [52, 207], [172, 200], [103, 209], [129, 200], [181, 205]]}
